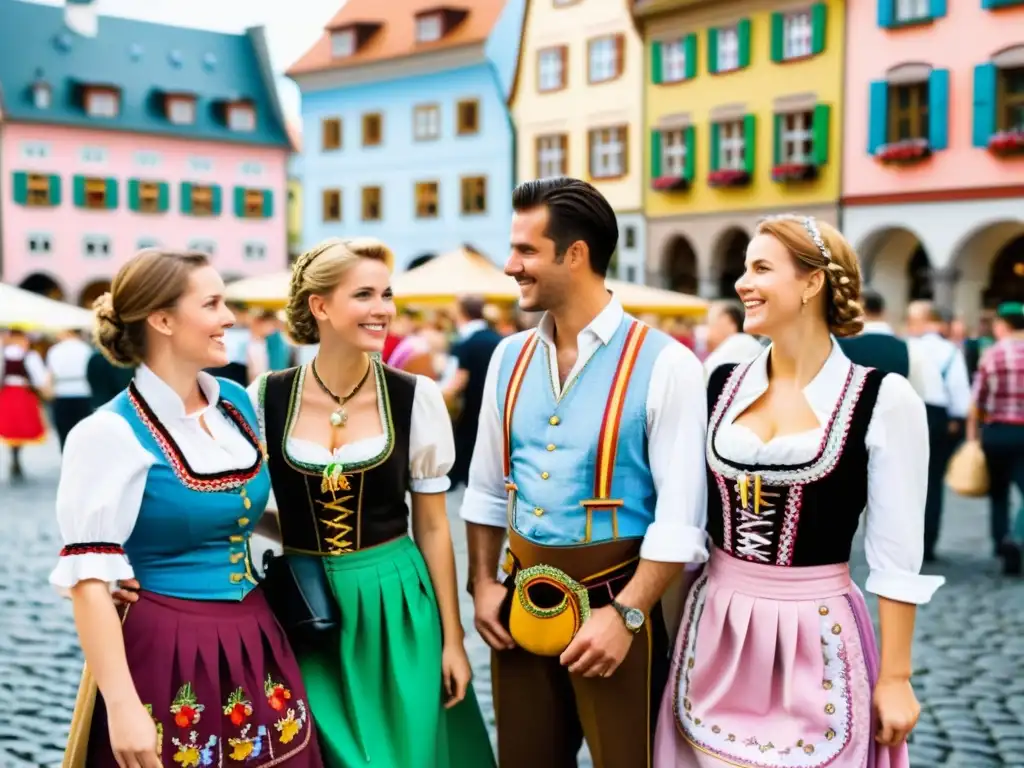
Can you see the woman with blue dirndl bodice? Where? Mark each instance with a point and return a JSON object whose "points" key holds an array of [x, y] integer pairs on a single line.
{"points": [[164, 486]]}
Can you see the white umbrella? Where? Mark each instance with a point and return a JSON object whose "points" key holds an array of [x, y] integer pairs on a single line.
{"points": [[33, 312]]}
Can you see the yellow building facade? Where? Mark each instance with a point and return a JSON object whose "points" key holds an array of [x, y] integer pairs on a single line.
{"points": [[294, 218], [577, 107], [743, 118]]}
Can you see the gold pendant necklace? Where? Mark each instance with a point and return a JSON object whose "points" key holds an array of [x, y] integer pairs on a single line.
{"points": [[339, 417]]}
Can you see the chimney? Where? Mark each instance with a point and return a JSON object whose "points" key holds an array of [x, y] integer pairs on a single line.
{"points": [[81, 17]]}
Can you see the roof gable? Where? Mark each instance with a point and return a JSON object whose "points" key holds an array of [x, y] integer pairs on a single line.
{"points": [[143, 61]]}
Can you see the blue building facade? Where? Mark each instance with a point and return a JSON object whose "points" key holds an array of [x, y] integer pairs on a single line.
{"points": [[412, 146]]}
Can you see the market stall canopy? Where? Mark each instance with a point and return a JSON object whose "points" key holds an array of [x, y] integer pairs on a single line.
{"points": [[270, 291], [29, 311], [645, 299]]}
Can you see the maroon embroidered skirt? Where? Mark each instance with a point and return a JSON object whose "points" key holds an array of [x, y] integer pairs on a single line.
{"points": [[221, 683]]}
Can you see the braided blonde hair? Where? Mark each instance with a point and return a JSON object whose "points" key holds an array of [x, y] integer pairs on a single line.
{"points": [[318, 272], [834, 256]]}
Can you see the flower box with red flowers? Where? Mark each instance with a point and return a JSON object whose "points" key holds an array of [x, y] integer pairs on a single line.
{"points": [[906, 151], [728, 178], [1007, 143], [794, 172], [670, 183]]}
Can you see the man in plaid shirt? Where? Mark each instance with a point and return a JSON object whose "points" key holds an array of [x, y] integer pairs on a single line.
{"points": [[999, 412]]}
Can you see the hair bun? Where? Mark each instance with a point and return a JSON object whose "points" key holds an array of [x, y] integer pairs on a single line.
{"points": [[104, 309], [110, 334]]}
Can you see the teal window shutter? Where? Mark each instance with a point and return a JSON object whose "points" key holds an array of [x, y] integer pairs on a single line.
{"points": [[937, 8], [778, 37], [133, 194], [163, 200], [691, 152], [820, 133], [938, 109], [21, 188], [655, 154], [777, 150], [240, 202], [990, 4], [215, 199], [749, 143], [186, 197], [713, 145], [656, 76], [743, 31], [79, 191], [985, 76], [886, 13], [690, 52], [268, 203], [54, 189], [712, 50], [111, 193], [878, 115], [819, 21]]}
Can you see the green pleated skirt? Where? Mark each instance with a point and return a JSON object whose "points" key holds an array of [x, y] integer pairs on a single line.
{"points": [[374, 687]]}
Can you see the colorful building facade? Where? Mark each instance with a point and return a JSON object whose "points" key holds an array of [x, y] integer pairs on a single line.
{"points": [[577, 104], [294, 212], [743, 114], [406, 133], [933, 177], [118, 135]]}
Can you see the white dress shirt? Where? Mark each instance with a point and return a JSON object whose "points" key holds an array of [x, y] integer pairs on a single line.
{"points": [[737, 348], [924, 374], [897, 444], [431, 444], [34, 366], [676, 430], [68, 361], [953, 370], [104, 469]]}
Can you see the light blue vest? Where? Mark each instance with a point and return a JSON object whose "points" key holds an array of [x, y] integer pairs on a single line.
{"points": [[187, 543], [554, 444]]}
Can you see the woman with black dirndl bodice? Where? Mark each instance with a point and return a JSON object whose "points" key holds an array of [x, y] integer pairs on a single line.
{"points": [[776, 663], [164, 485]]}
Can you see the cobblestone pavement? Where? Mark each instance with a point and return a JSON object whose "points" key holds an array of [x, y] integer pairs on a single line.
{"points": [[969, 653]]}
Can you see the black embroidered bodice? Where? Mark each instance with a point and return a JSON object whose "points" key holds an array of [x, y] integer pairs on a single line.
{"points": [[792, 515], [362, 506]]}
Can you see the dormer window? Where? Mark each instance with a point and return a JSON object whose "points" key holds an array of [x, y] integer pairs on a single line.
{"points": [[343, 43], [42, 96], [181, 110], [429, 28], [242, 117], [102, 102]]}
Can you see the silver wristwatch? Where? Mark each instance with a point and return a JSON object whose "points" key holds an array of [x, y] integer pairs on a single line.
{"points": [[633, 618]]}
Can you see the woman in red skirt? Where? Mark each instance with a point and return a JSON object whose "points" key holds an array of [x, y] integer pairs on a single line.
{"points": [[22, 374]]}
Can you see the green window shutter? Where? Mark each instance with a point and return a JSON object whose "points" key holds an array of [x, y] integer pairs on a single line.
{"points": [[691, 153], [820, 132], [878, 115], [938, 109], [712, 51], [985, 77], [656, 76], [133, 194], [163, 200], [21, 188], [749, 144], [215, 199], [240, 202], [655, 154], [886, 13], [778, 37], [79, 191], [819, 18], [713, 145], [937, 8], [690, 52], [186, 197], [743, 30], [55, 190], [779, 121], [268, 203], [111, 193]]}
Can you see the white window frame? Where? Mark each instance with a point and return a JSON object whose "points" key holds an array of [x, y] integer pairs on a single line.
{"points": [[35, 150], [673, 60], [429, 28], [101, 246], [607, 153], [181, 111], [203, 246], [200, 164], [42, 96], [250, 168], [147, 158], [551, 159], [728, 49], [673, 153], [102, 104], [146, 242], [913, 10], [551, 73], [33, 238], [732, 145], [797, 130], [254, 250], [426, 122], [242, 117], [343, 43], [95, 155], [798, 35], [602, 59]]}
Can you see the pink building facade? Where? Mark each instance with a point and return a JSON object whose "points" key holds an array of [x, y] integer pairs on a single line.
{"points": [[117, 135], [933, 157]]}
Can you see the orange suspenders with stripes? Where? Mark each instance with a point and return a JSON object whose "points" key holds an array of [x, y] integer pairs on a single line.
{"points": [[608, 439]]}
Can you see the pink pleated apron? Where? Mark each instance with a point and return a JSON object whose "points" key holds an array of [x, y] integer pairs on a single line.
{"points": [[773, 667]]}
